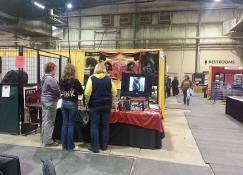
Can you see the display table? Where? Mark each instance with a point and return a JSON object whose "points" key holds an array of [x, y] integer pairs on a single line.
{"points": [[143, 129], [234, 107]]}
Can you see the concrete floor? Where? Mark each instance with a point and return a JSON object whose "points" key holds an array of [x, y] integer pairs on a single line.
{"points": [[179, 145]]}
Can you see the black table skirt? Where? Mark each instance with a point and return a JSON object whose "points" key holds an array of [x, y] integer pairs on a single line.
{"points": [[234, 108], [120, 134]]}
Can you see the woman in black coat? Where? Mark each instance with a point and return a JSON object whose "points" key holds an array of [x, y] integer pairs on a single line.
{"points": [[175, 84]]}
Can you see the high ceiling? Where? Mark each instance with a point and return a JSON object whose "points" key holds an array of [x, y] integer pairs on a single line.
{"points": [[26, 8]]}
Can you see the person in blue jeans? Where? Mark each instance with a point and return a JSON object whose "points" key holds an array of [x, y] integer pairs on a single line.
{"points": [[99, 93], [70, 89], [185, 85]]}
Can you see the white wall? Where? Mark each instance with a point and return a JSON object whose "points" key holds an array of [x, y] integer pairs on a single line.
{"points": [[177, 39]]}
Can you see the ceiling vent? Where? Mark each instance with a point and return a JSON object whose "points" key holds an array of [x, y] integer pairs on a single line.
{"points": [[125, 20], [108, 20], [145, 19], [165, 18]]}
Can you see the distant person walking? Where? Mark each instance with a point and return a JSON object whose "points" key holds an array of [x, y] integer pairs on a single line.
{"points": [[168, 86], [70, 89], [99, 93], [185, 85], [49, 96], [175, 84]]}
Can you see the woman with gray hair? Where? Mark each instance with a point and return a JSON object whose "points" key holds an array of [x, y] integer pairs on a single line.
{"points": [[70, 89]]}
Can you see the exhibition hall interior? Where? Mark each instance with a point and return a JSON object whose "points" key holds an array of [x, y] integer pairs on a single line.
{"points": [[121, 87]]}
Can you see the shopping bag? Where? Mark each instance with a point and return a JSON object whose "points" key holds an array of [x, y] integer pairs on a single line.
{"points": [[83, 117], [191, 92]]}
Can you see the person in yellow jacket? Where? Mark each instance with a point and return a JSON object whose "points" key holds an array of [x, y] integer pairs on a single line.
{"points": [[99, 92]]}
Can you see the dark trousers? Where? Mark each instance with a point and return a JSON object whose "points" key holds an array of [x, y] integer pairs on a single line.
{"points": [[99, 122], [168, 92], [175, 91], [69, 115], [184, 94]]}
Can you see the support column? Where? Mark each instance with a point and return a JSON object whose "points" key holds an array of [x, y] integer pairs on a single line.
{"points": [[135, 25], [198, 40]]}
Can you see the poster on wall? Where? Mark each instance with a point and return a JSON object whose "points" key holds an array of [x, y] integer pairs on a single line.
{"points": [[30, 96], [146, 62], [150, 66], [91, 59], [120, 63]]}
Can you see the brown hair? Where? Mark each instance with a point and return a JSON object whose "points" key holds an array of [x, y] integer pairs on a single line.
{"points": [[69, 72], [49, 67], [187, 77]]}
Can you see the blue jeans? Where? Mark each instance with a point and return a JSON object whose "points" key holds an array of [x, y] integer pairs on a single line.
{"points": [[97, 115], [188, 100], [69, 115]]}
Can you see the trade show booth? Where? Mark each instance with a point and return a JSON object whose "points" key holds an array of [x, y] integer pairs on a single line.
{"points": [[225, 81], [21, 69], [138, 110], [137, 114]]}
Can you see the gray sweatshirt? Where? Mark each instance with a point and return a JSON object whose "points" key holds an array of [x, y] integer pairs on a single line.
{"points": [[49, 88]]}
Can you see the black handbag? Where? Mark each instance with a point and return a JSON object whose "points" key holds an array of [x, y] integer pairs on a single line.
{"points": [[83, 116]]}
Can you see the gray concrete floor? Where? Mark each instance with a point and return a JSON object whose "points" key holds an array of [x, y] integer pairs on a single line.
{"points": [[180, 153], [178, 144]]}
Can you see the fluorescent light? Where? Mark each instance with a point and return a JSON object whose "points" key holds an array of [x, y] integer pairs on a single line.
{"points": [[217, 0], [69, 5], [39, 5]]}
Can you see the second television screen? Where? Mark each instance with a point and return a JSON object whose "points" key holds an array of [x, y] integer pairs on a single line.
{"points": [[137, 84]]}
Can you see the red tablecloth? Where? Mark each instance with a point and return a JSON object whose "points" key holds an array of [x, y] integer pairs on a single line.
{"points": [[149, 119]]}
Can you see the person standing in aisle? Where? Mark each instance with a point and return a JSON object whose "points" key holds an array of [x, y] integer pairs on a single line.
{"points": [[99, 93], [70, 89], [185, 85], [168, 86], [49, 96], [175, 85]]}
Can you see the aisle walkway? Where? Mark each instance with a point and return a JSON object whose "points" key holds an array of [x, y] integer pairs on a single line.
{"points": [[179, 155], [219, 137]]}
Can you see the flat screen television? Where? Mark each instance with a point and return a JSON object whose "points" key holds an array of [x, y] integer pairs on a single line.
{"points": [[136, 85]]}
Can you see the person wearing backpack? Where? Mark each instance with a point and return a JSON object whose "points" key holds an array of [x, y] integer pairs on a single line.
{"points": [[185, 85], [70, 89]]}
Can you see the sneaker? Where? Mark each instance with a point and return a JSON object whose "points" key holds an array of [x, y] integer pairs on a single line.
{"points": [[90, 149], [52, 144], [76, 148]]}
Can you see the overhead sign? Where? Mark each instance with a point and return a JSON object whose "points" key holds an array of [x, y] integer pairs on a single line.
{"points": [[19, 62], [219, 61]]}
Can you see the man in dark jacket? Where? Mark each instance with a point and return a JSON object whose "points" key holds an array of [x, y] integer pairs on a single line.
{"points": [[168, 86], [175, 85]]}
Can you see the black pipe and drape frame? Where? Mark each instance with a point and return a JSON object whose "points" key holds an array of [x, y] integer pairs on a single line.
{"points": [[35, 59]]}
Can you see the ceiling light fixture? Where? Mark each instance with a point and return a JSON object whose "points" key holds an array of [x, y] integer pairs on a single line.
{"points": [[69, 5], [39, 5], [217, 0]]}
